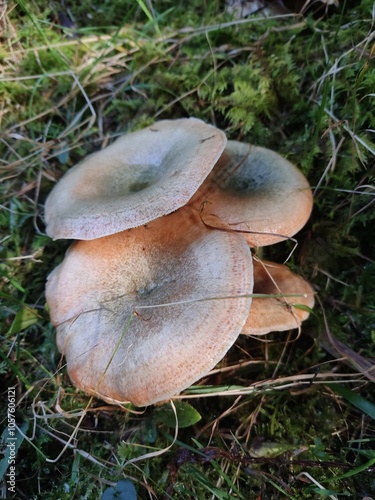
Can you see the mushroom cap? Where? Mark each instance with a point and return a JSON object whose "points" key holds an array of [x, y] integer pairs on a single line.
{"points": [[140, 177], [277, 314], [144, 313], [257, 191]]}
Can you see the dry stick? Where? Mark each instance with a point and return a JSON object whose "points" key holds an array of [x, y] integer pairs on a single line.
{"points": [[270, 386]]}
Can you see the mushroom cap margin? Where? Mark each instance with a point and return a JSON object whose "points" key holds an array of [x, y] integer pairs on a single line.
{"points": [[141, 176], [255, 191], [277, 314], [120, 350]]}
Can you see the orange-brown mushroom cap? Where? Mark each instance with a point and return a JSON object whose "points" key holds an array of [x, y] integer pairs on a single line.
{"points": [[277, 314], [140, 177], [257, 191], [144, 313]]}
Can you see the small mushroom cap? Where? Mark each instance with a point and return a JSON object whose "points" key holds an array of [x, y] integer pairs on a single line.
{"points": [[257, 191], [140, 177], [277, 314], [142, 314]]}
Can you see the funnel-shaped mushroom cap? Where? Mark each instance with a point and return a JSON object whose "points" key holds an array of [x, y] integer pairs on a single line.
{"points": [[139, 314], [140, 177], [277, 314], [257, 191]]}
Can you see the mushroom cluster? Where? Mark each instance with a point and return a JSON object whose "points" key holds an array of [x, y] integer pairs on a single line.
{"points": [[161, 280]]}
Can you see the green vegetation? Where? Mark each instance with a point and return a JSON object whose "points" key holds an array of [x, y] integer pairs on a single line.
{"points": [[286, 416]]}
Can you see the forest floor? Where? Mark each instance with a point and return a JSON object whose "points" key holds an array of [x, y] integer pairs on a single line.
{"points": [[287, 415]]}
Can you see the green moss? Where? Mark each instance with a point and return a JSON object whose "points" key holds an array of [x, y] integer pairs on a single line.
{"points": [[300, 86]]}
